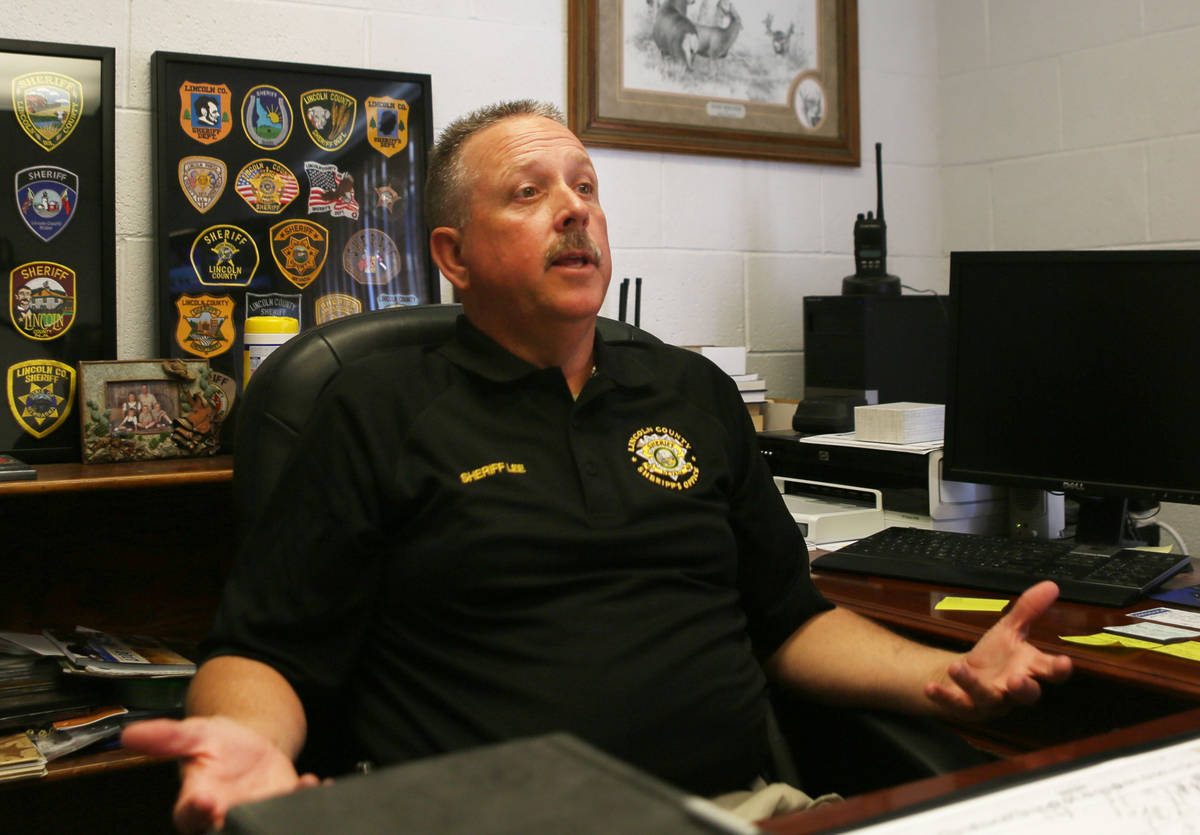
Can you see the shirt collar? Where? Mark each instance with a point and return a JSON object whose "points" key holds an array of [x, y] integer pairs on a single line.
{"points": [[478, 353]]}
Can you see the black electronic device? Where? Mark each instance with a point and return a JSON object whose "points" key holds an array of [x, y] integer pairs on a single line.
{"points": [[1000, 564], [1076, 372], [862, 349], [870, 246]]}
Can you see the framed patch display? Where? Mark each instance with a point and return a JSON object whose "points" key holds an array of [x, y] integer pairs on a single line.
{"points": [[57, 263], [284, 190]]}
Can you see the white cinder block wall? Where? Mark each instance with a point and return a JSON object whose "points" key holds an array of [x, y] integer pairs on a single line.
{"points": [[1071, 124], [726, 247]]}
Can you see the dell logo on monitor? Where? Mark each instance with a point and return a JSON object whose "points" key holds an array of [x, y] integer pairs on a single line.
{"points": [[1072, 485]]}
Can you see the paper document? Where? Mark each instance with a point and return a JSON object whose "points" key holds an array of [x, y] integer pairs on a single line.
{"points": [[1158, 791], [848, 439]]}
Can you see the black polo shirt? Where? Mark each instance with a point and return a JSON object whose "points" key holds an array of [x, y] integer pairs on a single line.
{"points": [[478, 556]]}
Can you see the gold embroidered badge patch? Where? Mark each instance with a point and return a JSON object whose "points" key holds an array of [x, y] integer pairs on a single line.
{"points": [[663, 457]]}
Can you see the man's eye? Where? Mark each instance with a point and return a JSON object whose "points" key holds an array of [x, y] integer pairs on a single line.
{"points": [[586, 188], [527, 191]]}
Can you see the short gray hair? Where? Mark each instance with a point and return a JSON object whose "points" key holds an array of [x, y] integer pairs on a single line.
{"points": [[445, 182]]}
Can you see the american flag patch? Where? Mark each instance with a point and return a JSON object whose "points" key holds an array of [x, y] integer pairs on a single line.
{"points": [[330, 191]]}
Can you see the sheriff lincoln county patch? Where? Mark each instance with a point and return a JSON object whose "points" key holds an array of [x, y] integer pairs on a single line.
{"points": [[299, 248], [205, 326], [46, 198], [662, 457], [267, 186], [41, 299], [224, 256], [40, 394], [328, 117], [48, 106], [204, 111]]}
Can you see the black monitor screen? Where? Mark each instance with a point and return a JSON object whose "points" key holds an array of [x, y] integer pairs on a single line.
{"points": [[1076, 372]]}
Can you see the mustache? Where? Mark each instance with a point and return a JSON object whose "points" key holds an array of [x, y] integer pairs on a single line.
{"points": [[574, 240]]}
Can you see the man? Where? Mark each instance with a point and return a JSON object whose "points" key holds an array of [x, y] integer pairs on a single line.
{"points": [[529, 529]]}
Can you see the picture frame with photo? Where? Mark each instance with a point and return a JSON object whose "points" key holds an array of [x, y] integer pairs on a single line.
{"points": [[140, 410]]}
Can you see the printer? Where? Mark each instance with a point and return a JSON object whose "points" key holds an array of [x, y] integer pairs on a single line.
{"points": [[912, 490]]}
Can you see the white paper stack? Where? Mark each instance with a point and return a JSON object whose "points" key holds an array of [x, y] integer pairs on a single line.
{"points": [[899, 423]]}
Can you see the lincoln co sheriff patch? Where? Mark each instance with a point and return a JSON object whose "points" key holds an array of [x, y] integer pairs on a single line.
{"points": [[328, 117], [371, 257], [224, 256], [204, 111], [40, 394], [267, 186], [335, 306], [48, 106], [299, 248], [387, 124], [202, 180], [662, 457], [266, 117], [46, 198], [205, 326], [41, 299]]}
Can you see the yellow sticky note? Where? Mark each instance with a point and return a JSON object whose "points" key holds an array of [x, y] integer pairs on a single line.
{"points": [[1185, 649], [1107, 639], [970, 604]]}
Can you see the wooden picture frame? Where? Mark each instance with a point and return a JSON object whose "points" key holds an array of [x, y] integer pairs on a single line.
{"points": [[57, 238], [139, 410], [646, 76], [309, 178]]}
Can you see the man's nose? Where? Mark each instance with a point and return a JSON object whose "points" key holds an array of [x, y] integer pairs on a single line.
{"points": [[573, 210]]}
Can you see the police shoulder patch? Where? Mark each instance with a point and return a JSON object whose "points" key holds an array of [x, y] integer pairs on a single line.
{"points": [[41, 393], [299, 248], [202, 180], [47, 197], [224, 256], [41, 299], [205, 326], [266, 117], [48, 106], [371, 257]]}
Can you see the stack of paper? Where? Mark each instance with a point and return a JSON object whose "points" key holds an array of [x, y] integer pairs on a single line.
{"points": [[19, 757], [899, 423]]}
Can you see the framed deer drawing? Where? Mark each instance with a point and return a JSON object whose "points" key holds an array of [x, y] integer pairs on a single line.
{"points": [[748, 78]]}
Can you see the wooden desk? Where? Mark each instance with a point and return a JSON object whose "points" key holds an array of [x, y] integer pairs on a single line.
{"points": [[864, 807], [1110, 687]]}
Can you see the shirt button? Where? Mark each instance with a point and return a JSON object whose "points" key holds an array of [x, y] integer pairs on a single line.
{"points": [[590, 468]]}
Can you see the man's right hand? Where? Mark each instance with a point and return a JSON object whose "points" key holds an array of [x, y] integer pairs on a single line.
{"points": [[223, 763]]}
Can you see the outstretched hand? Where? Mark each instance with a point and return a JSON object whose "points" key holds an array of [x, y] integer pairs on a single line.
{"points": [[1003, 669], [223, 764]]}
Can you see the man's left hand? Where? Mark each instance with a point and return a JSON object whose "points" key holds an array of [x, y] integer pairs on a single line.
{"points": [[1003, 669]]}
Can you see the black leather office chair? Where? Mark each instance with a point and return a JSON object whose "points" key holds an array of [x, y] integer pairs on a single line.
{"points": [[851, 751]]}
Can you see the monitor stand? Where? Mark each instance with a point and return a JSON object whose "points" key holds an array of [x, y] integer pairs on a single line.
{"points": [[1103, 521]]}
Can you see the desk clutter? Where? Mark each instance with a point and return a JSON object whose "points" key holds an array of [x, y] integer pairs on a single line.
{"points": [[68, 691]]}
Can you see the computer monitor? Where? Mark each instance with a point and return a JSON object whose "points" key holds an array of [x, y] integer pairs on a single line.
{"points": [[1077, 372]]}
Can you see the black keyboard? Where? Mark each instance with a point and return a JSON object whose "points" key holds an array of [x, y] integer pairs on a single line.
{"points": [[997, 564]]}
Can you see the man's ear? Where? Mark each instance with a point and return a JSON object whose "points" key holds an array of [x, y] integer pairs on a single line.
{"points": [[445, 247]]}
